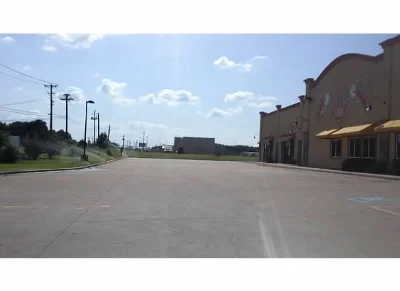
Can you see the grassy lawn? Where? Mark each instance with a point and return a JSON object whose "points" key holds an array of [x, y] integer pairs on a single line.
{"points": [[153, 155], [44, 163], [95, 154]]}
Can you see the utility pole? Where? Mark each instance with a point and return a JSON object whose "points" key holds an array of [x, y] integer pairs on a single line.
{"points": [[98, 125], [66, 98], [108, 136], [51, 86], [94, 118], [123, 144]]}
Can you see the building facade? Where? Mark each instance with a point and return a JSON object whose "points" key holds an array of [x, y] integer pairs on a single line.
{"points": [[194, 145], [351, 110]]}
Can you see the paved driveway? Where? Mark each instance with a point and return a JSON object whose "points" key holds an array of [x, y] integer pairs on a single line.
{"points": [[182, 208]]}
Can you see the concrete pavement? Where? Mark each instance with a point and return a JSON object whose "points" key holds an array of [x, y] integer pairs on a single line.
{"points": [[182, 208]]}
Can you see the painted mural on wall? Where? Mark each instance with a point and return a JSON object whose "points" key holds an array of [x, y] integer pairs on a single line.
{"points": [[324, 104], [339, 109], [357, 92]]}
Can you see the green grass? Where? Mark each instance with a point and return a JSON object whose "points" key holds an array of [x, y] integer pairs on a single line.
{"points": [[95, 155], [44, 163], [153, 155]]}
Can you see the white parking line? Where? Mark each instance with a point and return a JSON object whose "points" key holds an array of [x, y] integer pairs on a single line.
{"points": [[384, 210]]}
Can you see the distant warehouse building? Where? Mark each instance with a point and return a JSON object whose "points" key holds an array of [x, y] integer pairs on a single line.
{"points": [[194, 145]]}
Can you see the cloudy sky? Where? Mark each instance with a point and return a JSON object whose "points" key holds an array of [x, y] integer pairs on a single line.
{"points": [[166, 85]]}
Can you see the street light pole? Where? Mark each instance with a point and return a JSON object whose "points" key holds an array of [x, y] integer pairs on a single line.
{"points": [[84, 157]]}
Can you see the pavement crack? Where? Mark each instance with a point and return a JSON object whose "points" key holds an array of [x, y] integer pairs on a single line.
{"points": [[79, 216]]}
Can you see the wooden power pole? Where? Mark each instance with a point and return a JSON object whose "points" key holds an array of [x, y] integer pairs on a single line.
{"points": [[51, 93], [66, 98]]}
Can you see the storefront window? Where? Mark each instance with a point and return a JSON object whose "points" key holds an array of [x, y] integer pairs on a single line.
{"points": [[362, 147], [336, 148]]}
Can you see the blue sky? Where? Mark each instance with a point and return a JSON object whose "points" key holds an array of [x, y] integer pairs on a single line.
{"points": [[169, 85]]}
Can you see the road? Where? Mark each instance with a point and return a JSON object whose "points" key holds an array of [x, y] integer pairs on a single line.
{"points": [[182, 208]]}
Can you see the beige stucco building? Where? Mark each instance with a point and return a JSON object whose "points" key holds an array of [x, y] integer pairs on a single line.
{"points": [[351, 110]]}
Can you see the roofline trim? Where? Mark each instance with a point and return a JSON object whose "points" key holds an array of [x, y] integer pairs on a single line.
{"points": [[346, 57], [282, 109]]}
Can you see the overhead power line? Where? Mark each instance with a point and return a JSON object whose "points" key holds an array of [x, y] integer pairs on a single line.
{"points": [[15, 77], [23, 102], [26, 75], [18, 111]]}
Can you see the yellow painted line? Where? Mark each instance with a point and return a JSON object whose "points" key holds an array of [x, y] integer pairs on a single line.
{"points": [[384, 210], [36, 207], [22, 206]]}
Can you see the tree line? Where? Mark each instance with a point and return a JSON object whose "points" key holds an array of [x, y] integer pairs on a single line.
{"points": [[36, 139]]}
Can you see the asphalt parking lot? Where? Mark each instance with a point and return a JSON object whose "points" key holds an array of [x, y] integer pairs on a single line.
{"points": [[182, 208]]}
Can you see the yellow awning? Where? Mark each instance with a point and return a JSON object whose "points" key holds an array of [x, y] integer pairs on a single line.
{"points": [[391, 125], [354, 130], [326, 133]]}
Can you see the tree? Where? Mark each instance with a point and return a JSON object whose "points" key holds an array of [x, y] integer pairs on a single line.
{"points": [[29, 129], [61, 135], [81, 143], [8, 153], [102, 140]]}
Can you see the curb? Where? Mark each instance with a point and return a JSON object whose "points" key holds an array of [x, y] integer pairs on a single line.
{"points": [[59, 169], [359, 174]]}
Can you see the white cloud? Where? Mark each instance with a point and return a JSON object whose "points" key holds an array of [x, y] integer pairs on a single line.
{"points": [[116, 91], [19, 88], [239, 95], [258, 58], [216, 112], [96, 75], [251, 99], [198, 112], [49, 48], [124, 101], [170, 97], [6, 39], [225, 63], [75, 41], [76, 94], [142, 125], [26, 68]]}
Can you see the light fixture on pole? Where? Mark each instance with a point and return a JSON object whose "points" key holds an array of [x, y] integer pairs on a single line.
{"points": [[84, 157]]}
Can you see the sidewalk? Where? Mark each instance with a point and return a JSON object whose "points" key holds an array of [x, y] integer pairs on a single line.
{"points": [[296, 167]]}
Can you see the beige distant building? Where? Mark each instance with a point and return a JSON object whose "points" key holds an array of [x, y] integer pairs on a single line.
{"points": [[351, 110], [194, 145]]}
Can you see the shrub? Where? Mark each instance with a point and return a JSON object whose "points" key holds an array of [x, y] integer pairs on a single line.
{"points": [[75, 152], [364, 165], [32, 149], [21, 153], [3, 139], [52, 149], [376, 167], [8, 154], [394, 167], [102, 140], [218, 154], [109, 152]]}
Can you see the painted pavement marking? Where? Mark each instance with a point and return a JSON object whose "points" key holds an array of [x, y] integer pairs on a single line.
{"points": [[386, 210], [367, 199]]}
